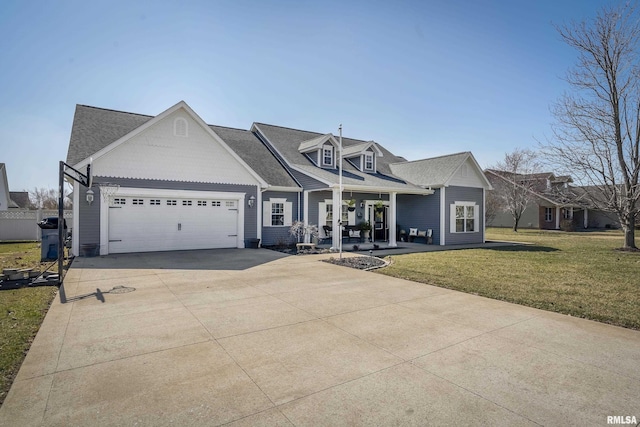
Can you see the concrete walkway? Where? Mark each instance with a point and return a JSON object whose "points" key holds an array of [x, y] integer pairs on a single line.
{"points": [[252, 337]]}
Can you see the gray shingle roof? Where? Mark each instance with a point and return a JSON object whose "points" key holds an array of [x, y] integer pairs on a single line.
{"points": [[432, 172], [256, 155], [95, 128], [287, 142]]}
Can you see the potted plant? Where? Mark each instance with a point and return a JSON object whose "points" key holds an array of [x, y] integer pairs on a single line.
{"points": [[379, 205], [365, 227], [351, 204]]}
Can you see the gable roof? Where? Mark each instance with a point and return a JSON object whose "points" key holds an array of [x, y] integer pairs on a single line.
{"points": [[286, 141], [20, 199], [435, 171], [316, 143], [96, 129]]}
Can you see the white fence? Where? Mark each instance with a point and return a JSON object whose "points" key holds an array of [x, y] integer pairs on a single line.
{"points": [[23, 225]]}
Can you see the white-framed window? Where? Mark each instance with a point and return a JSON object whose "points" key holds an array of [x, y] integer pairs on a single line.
{"points": [[154, 202], [202, 203], [187, 203], [327, 156], [568, 213], [216, 203], [548, 214], [119, 201], [368, 161], [180, 127], [230, 203], [325, 214], [137, 202], [276, 212], [172, 202], [465, 217]]}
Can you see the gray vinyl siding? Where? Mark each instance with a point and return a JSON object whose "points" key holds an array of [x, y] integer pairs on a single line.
{"points": [[89, 219], [600, 219], [421, 212], [463, 194], [315, 198], [90, 215], [529, 219], [280, 235]]}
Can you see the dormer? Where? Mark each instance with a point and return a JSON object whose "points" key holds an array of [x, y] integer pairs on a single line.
{"points": [[363, 156], [322, 150]]}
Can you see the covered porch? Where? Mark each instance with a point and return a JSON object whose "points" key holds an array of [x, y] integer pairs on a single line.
{"points": [[367, 216]]}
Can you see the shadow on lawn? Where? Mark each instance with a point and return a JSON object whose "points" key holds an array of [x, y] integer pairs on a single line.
{"points": [[524, 248]]}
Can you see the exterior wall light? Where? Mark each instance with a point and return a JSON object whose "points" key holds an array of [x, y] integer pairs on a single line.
{"points": [[252, 201], [89, 196]]}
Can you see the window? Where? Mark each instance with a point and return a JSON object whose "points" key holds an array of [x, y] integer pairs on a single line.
{"points": [[119, 201], [275, 212], [230, 204], [172, 202], [202, 203], [548, 214], [187, 203], [154, 202], [138, 201], [327, 156], [464, 217], [180, 127], [368, 161], [215, 203], [568, 213]]}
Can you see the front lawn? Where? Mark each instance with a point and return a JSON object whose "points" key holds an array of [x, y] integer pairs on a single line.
{"points": [[580, 273], [21, 311]]}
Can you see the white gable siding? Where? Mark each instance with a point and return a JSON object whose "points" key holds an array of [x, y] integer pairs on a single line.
{"points": [[157, 153], [472, 178]]}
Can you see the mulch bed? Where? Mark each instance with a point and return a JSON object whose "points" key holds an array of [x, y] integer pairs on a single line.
{"points": [[360, 262]]}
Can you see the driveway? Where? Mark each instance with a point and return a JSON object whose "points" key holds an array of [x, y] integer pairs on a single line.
{"points": [[253, 337]]}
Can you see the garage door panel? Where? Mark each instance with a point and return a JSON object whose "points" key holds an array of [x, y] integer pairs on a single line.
{"points": [[145, 227]]}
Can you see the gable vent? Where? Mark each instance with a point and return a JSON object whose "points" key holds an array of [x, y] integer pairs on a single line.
{"points": [[180, 127]]}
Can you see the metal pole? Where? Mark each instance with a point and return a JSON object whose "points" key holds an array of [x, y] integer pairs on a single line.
{"points": [[60, 221], [340, 206]]}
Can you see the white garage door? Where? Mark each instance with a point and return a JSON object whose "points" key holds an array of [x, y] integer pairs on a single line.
{"points": [[149, 224]]}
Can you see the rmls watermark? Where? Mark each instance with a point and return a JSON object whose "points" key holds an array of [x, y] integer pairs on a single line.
{"points": [[622, 419]]}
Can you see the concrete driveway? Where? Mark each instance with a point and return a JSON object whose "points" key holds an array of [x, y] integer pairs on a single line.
{"points": [[251, 337]]}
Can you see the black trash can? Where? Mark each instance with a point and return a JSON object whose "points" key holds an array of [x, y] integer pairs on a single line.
{"points": [[254, 243]]}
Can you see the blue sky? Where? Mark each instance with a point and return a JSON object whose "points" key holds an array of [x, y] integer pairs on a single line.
{"points": [[423, 78]]}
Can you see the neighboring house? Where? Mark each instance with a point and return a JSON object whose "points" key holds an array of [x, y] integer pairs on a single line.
{"points": [[21, 199], [183, 184], [556, 203], [5, 195]]}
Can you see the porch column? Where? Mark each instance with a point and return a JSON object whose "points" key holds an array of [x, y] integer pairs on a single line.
{"points": [[336, 235], [392, 220], [557, 217], [586, 218]]}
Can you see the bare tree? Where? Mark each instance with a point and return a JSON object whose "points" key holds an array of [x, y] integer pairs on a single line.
{"points": [[514, 187], [47, 198], [597, 134]]}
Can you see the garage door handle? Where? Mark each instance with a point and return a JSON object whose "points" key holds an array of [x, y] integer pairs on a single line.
{"points": [[115, 241], [179, 226], [232, 235]]}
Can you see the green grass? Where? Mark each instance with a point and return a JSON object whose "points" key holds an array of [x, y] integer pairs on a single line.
{"points": [[21, 311], [581, 274]]}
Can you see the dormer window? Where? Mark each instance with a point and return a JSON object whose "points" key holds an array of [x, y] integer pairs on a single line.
{"points": [[327, 156], [368, 161]]}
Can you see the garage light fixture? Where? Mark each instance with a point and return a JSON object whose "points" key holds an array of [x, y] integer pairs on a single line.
{"points": [[252, 201], [89, 196]]}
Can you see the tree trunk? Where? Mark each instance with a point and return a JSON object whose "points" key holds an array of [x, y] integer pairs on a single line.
{"points": [[629, 234], [515, 224]]}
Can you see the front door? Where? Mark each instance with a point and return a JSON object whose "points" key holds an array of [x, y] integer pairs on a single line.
{"points": [[379, 223]]}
